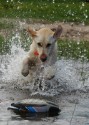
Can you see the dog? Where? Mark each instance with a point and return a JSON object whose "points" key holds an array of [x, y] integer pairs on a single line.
{"points": [[43, 50]]}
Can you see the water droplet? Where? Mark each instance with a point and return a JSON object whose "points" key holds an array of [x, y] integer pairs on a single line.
{"points": [[83, 4], [53, 1]]}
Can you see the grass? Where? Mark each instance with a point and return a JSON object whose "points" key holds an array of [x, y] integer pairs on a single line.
{"points": [[1, 43], [50, 10], [72, 49], [5, 25], [59, 10]]}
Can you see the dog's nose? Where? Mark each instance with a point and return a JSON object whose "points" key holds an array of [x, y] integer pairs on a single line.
{"points": [[43, 57]]}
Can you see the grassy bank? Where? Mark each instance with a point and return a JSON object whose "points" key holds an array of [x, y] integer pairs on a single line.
{"points": [[1, 43], [6, 25], [73, 49], [51, 10]]}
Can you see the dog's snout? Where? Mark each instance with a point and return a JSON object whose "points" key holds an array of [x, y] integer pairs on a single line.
{"points": [[43, 57]]}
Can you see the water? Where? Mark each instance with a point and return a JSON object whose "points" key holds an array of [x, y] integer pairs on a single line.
{"points": [[69, 89]]}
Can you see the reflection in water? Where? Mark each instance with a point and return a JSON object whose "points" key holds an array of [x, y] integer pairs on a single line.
{"points": [[32, 116]]}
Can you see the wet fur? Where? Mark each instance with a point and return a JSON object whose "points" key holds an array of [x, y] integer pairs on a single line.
{"points": [[44, 43]]}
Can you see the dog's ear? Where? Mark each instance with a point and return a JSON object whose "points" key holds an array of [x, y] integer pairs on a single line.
{"points": [[57, 32], [32, 32]]}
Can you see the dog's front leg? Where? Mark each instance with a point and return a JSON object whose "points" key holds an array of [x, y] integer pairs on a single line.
{"points": [[27, 64]]}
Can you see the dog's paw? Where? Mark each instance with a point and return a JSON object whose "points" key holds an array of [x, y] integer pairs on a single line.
{"points": [[25, 72]]}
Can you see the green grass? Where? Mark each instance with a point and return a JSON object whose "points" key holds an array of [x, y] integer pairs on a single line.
{"points": [[1, 43], [72, 49], [60, 10], [6, 25]]}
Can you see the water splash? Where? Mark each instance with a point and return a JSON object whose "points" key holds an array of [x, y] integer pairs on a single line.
{"points": [[70, 75], [11, 63]]}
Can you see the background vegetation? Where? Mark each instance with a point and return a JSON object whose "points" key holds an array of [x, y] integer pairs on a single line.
{"points": [[73, 49], [50, 10]]}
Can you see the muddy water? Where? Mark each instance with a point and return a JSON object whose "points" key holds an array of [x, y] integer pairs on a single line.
{"points": [[69, 89]]}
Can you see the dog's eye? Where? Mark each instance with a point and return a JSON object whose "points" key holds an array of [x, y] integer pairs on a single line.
{"points": [[48, 45], [39, 44]]}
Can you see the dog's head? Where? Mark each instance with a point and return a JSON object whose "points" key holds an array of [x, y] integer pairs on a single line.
{"points": [[44, 41]]}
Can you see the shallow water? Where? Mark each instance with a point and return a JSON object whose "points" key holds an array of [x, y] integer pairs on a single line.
{"points": [[69, 89]]}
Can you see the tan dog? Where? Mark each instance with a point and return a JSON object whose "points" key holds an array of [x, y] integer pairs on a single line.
{"points": [[43, 50]]}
